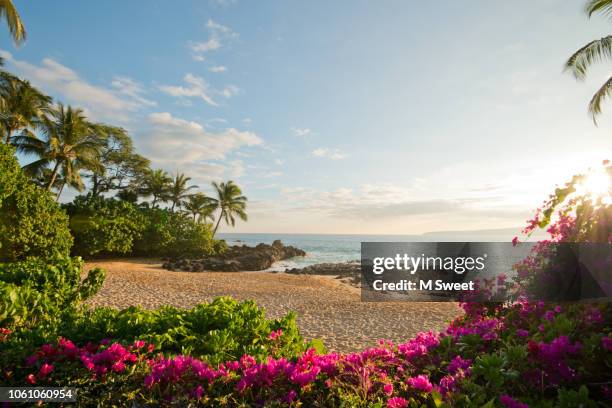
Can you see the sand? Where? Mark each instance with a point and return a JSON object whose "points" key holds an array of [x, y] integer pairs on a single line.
{"points": [[326, 308]]}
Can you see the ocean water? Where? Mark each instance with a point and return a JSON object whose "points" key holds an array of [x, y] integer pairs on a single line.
{"points": [[323, 248]]}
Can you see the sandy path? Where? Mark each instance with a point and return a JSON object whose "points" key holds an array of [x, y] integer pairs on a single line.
{"points": [[326, 308]]}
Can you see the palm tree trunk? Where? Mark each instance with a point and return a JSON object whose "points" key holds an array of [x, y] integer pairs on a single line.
{"points": [[53, 176], [173, 204], [59, 193], [218, 222], [154, 201]]}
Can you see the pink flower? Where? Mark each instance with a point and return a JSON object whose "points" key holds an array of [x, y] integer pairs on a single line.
{"points": [[397, 402], [509, 402], [388, 389], [275, 334], [515, 241], [45, 370], [291, 396], [606, 343], [420, 382], [31, 378]]}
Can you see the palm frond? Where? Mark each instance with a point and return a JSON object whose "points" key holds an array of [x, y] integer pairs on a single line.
{"points": [[582, 59], [599, 6], [10, 14], [599, 96]]}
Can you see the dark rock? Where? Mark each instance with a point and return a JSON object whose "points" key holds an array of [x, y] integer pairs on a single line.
{"points": [[239, 258]]}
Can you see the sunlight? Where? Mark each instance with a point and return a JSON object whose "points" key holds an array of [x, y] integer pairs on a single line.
{"points": [[597, 185]]}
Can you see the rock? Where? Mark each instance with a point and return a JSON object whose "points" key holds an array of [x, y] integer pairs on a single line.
{"points": [[347, 272], [239, 258]]}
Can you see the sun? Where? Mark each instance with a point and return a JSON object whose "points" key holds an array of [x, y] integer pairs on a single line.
{"points": [[597, 185]]}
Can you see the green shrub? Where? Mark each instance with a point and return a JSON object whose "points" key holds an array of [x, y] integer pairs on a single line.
{"points": [[169, 234], [37, 291], [217, 331], [103, 226], [31, 223]]}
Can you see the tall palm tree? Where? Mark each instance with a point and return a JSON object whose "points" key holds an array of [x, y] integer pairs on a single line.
{"points": [[230, 201], [200, 207], [23, 106], [179, 191], [592, 52], [70, 143], [9, 13], [156, 184]]}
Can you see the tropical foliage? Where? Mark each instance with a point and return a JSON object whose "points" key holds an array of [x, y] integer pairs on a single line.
{"points": [[31, 223], [595, 51], [9, 13], [231, 202]]}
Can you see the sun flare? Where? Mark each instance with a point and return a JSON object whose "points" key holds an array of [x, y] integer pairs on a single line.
{"points": [[597, 185]]}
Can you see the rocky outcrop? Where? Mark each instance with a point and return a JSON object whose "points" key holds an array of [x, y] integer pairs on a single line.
{"points": [[238, 258], [347, 272]]}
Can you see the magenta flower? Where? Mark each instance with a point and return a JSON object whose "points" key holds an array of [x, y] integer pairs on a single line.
{"points": [[509, 402], [388, 389], [45, 370], [397, 402], [420, 383], [606, 343], [275, 334]]}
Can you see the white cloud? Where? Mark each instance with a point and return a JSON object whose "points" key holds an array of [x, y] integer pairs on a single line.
{"points": [[333, 154], [218, 33], [229, 91], [131, 88], [301, 131], [99, 102], [247, 120], [197, 88], [217, 68], [184, 142], [279, 161]]}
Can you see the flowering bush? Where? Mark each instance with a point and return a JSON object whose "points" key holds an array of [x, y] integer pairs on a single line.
{"points": [[513, 355]]}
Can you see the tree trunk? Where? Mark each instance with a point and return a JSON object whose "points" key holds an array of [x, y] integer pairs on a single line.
{"points": [[218, 222], [59, 193], [154, 201], [53, 176]]}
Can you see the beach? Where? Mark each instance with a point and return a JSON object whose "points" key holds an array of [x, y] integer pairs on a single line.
{"points": [[326, 308]]}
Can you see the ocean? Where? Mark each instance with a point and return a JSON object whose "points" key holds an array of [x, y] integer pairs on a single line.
{"points": [[323, 248]]}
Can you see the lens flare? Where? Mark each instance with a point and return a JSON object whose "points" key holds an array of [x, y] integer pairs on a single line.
{"points": [[597, 185]]}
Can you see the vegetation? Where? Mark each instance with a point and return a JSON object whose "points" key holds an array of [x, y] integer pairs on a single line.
{"points": [[231, 202], [9, 13], [31, 223], [104, 226], [592, 52]]}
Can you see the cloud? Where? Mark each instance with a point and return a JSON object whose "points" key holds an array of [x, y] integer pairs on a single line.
{"points": [[217, 34], [279, 161], [131, 88], [247, 120], [333, 154], [196, 87], [99, 102], [217, 68], [301, 131], [182, 142]]}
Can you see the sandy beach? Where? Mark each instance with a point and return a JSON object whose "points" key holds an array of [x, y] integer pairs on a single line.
{"points": [[326, 308]]}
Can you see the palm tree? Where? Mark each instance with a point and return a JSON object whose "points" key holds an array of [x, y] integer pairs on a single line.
{"points": [[230, 201], [592, 52], [157, 184], [22, 107], [10, 14], [200, 207], [71, 143], [178, 190]]}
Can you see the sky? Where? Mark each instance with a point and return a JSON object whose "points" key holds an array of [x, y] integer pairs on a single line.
{"points": [[358, 116]]}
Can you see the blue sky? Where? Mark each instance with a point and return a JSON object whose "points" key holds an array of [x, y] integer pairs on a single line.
{"points": [[337, 117]]}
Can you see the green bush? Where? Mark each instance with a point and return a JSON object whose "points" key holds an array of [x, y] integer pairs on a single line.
{"points": [[36, 291], [217, 331], [103, 226], [31, 223], [169, 234]]}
